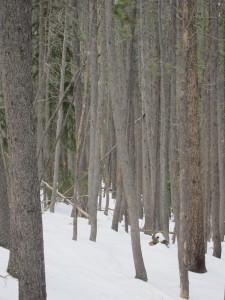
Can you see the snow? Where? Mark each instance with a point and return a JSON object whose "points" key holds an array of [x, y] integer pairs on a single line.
{"points": [[160, 237], [86, 270]]}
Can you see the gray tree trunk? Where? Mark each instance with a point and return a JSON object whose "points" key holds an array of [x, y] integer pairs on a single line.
{"points": [[183, 146], [60, 116], [213, 33], [196, 247], [128, 176], [97, 100], [146, 180], [119, 191], [25, 207], [164, 118], [150, 87], [173, 149], [41, 88], [205, 87]]}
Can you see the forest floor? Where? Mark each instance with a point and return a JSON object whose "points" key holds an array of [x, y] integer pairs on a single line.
{"points": [[84, 270]]}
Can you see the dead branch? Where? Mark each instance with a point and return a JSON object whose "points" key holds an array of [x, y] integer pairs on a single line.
{"points": [[66, 199]]}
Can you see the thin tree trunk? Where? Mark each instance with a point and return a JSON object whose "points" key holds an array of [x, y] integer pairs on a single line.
{"points": [[60, 116], [128, 176], [96, 118], [213, 34], [221, 128], [174, 164], [183, 157], [205, 87], [119, 191], [196, 247], [146, 180], [164, 126], [150, 87]]}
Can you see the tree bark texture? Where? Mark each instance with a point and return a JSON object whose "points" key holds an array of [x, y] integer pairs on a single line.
{"points": [[60, 116], [25, 208], [164, 119], [119, 122], [196, 251], [173, 148], [213, 33], [182, 146]]}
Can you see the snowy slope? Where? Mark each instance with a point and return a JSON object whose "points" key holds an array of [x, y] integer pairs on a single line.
{"points": [[85, 270]]}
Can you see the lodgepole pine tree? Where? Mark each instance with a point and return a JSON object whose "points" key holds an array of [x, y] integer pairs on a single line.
{"points": [[25, 207]]}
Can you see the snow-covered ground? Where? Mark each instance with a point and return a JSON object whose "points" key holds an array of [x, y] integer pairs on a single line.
{"points": [[84, 270]]}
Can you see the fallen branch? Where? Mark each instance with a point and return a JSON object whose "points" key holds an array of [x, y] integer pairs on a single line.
{"points": [[66, 199]]}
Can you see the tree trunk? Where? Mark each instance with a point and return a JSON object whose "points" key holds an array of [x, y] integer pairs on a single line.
{"points": [[205, 87], [25, 207], [128, 176], [41, 87], [164, 118], [196, 247], [119, 192], [60, 117], [146, 180], [97, 100], [213, 30], [183, 146], [150, 87], [173, 159]]}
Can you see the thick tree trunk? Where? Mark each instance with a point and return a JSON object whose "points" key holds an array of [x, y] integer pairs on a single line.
{"points": [[25, 208]]}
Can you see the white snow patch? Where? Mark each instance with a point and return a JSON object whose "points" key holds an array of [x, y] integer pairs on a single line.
{"points": [[85, 270]]}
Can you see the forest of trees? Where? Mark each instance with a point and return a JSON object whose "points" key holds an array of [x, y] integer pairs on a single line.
{"points": [[121, 96]]}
